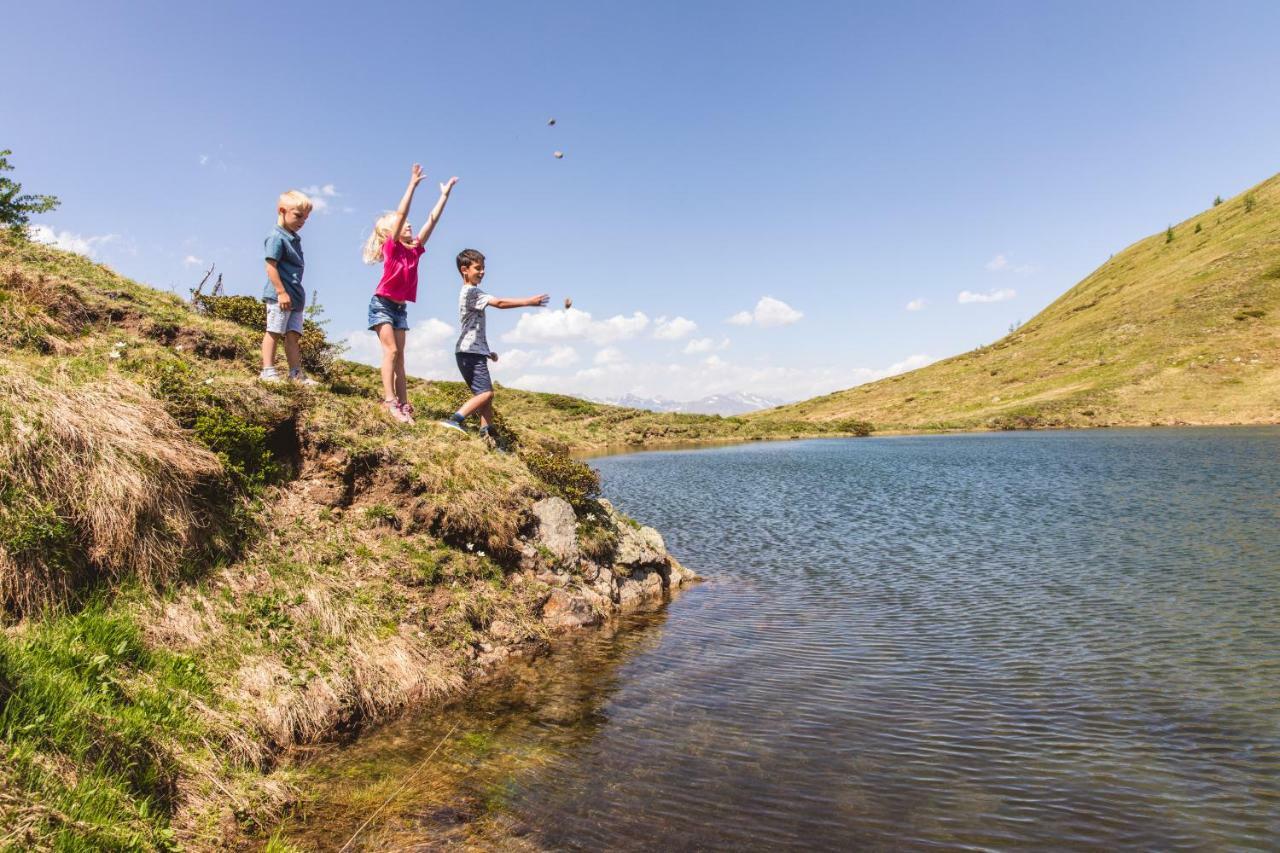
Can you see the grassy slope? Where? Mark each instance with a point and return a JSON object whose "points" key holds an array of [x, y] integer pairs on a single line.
{"points": [[1165, 332], [199, 571]]}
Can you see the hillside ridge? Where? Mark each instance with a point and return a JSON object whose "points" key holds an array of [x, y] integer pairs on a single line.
{"points": [[1182, 327]]}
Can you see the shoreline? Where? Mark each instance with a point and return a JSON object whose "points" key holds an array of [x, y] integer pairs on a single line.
{"points": [[587, 453]]}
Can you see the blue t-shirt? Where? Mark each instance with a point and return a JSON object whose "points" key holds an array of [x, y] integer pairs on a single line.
{"points": [[285, 248]]}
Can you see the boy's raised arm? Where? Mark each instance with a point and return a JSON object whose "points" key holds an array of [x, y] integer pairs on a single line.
{"points": [[416, 176], [527, 302], [430, 225]]}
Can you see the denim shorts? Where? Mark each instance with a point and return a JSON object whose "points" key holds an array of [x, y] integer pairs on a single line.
{"points": [[384, 310], [279, 322], [475, 371]]}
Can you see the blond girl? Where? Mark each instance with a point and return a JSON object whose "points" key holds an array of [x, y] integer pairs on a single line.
{"points": [[393, 243]]}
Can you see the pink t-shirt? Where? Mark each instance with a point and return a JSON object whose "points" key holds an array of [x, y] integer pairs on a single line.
{"points": [[399, 271]]}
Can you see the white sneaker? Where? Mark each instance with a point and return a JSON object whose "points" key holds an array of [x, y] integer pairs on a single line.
{"points": [[269, 374], [451, 425], [296, 375]]}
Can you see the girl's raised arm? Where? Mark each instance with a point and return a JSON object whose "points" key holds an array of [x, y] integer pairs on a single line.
{"points": [[416, 176], [430, 225]]}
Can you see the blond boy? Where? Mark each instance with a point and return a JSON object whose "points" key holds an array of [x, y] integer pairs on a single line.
{"points": [[283, 293]]}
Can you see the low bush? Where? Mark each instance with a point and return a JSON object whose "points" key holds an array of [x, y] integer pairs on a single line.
{"points": [[852, 426], [575, 481], [318, 353], [241, 446]]}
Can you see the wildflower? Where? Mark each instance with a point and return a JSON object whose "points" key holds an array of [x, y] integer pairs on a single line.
{"points": [[209, 381], [471, 546], [479, 553], [115, 353]]}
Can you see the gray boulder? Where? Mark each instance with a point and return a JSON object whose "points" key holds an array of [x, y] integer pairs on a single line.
{"points": [[557, 529]]}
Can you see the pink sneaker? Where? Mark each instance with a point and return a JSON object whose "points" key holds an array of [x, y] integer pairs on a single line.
{"points": [[407, 410], [392, 408]]}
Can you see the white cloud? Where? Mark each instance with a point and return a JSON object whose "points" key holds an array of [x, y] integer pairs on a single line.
{"points": [[768, 312], [967, 296], [320, 196], [674, 328], [715, 375], [192, 261], [917, 304], [571, 324], [517, 359], [561, 356], [428, 349], [204, 159], [700, 345], [432, 330], [81, 245], [609, 355], [1001, 263]]}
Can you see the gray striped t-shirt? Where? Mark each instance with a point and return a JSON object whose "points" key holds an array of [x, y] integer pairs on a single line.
{"points": [[471, 304]]}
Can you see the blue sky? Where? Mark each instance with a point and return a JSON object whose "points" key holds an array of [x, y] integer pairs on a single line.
{"points": [[806, 170]]}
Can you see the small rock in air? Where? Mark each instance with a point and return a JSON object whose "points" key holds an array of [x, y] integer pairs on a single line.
{"points": [[559, 155], [568, 303], [551, 122]]}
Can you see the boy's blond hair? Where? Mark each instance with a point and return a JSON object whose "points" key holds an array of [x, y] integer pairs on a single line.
{"points": [[291, 199], [372, 252]]}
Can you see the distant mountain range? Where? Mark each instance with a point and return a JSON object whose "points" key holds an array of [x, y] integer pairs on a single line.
{"points": [[736, 403]]}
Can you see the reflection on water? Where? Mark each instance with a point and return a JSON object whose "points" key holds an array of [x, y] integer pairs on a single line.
{"points": [[536, 712], [993, 641]]}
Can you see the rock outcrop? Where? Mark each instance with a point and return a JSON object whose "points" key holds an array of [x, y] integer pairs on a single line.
{"points": [[638, 574]]}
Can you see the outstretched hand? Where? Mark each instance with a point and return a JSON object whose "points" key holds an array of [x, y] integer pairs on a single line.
{"points": [[416, 175], [541, 300], [447, 186]]}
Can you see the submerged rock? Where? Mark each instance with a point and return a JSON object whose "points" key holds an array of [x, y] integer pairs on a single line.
{"points": [[566, 609]]}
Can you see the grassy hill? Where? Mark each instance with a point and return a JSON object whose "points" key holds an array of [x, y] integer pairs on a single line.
{"points": [[199, 571], [1181, 330]]}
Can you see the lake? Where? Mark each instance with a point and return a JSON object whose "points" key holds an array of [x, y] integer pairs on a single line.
{"points": [[992, 641]]}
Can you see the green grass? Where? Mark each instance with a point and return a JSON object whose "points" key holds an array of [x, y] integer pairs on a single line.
{"points": [[90, 719]]}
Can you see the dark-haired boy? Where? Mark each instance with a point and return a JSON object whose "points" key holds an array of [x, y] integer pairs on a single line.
{"points": [[472, 350]]}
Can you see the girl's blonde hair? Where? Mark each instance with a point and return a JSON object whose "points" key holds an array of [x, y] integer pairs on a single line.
{"points": [[381, 231]]}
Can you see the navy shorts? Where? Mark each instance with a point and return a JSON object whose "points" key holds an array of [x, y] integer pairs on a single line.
{"points": [[475, 371], [384, 310]]}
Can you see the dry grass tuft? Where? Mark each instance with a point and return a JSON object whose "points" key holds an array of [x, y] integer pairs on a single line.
{"points": [[95, 481]]}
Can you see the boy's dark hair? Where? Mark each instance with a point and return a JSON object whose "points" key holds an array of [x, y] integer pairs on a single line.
{"points": [[467, 257]]}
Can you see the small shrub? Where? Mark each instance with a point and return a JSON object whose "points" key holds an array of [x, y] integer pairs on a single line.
{"points": [[1199, 228], [1250, 202], [318, 353], [1217, 200], [1168, 234], [575, 481], [852, 426], [240, 445]]}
